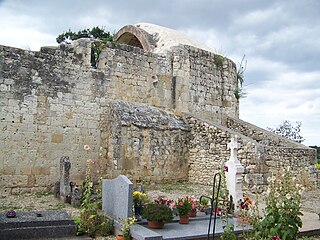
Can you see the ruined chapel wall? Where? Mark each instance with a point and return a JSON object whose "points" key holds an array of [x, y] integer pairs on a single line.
{"points": [[212, 86], [184, 80], [144, 143], [137, 76], [50, 107], [208, 151], [53, 101], [261, 135]]}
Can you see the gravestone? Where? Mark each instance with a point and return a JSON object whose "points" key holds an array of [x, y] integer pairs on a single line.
{"points": [[234, 171], [37, 225], [65, 166], [76, 197], [117, 197]]}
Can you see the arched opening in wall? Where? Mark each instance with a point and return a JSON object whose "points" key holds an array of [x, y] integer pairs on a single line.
{"points": [[130, 39]]}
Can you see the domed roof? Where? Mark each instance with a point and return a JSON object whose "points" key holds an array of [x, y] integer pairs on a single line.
{"points": [[155, 38]]}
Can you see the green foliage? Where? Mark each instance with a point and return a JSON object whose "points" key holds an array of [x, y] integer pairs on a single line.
{"points": [[287, 130], [126, 224], [92, 219], [140, 198], [184, 206], [41, 194], [282, 214], [228, 232], [218, 60], [240, 92], [224, 203], [157, 212], [96, 33]]}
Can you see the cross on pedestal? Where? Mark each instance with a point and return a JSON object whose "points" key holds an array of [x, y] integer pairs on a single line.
{"points": [[234, 172], [234, 146]]}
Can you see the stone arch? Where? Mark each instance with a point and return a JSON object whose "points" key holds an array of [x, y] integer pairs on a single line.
{"points": [[135, 36]]}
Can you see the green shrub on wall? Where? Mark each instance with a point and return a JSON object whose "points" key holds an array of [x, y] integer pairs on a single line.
{"points": [[97, 33]]}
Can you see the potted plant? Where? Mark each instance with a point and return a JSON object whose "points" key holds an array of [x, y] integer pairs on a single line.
{"points": [[183, 206], [193, 211], [157, 214], [139, 200], [203, 204], [126, 223]]}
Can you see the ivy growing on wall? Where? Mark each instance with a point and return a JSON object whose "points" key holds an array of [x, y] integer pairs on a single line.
{"points": [[97, 33]]}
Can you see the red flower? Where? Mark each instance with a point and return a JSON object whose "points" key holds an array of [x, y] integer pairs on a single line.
{"points": [[181, 203]]}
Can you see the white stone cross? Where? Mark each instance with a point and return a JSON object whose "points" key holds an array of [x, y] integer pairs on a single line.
{"points": [[234, 146], [234, 171]]}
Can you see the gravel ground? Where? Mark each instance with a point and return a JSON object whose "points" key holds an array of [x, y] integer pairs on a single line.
{"points": [[46, 201]]}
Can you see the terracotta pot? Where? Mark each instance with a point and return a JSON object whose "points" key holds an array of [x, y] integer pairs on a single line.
{"points": [[184, 219], [120, 237], [192, 213], [155, 224]]}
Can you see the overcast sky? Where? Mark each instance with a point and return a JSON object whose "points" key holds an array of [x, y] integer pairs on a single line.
{"points": [[281, 41]]}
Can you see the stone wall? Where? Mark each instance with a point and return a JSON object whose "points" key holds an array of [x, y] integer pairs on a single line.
{"points": [[144, 143], [208, 152], [48, 110], [53, 103], [208, 149], [260, 135]]}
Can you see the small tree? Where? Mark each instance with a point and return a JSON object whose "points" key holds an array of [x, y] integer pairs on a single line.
{"points": [[95, 33], [287, 130]]}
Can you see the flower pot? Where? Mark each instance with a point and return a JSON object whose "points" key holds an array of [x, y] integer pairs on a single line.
{"points": [[192, 213], [120, 237], [155, 224], [138, 212], [184, 219]]}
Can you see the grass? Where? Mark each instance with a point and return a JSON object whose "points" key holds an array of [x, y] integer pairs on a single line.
{"points": [[10, 207], [41, 194], [58, 206]]}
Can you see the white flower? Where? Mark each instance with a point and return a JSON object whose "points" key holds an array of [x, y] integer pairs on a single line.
{"points": [[288, 196], [86, 147], [277, 195]]}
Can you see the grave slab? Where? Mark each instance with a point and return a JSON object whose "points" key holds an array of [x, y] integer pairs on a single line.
{"points": [[36, 224]]}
